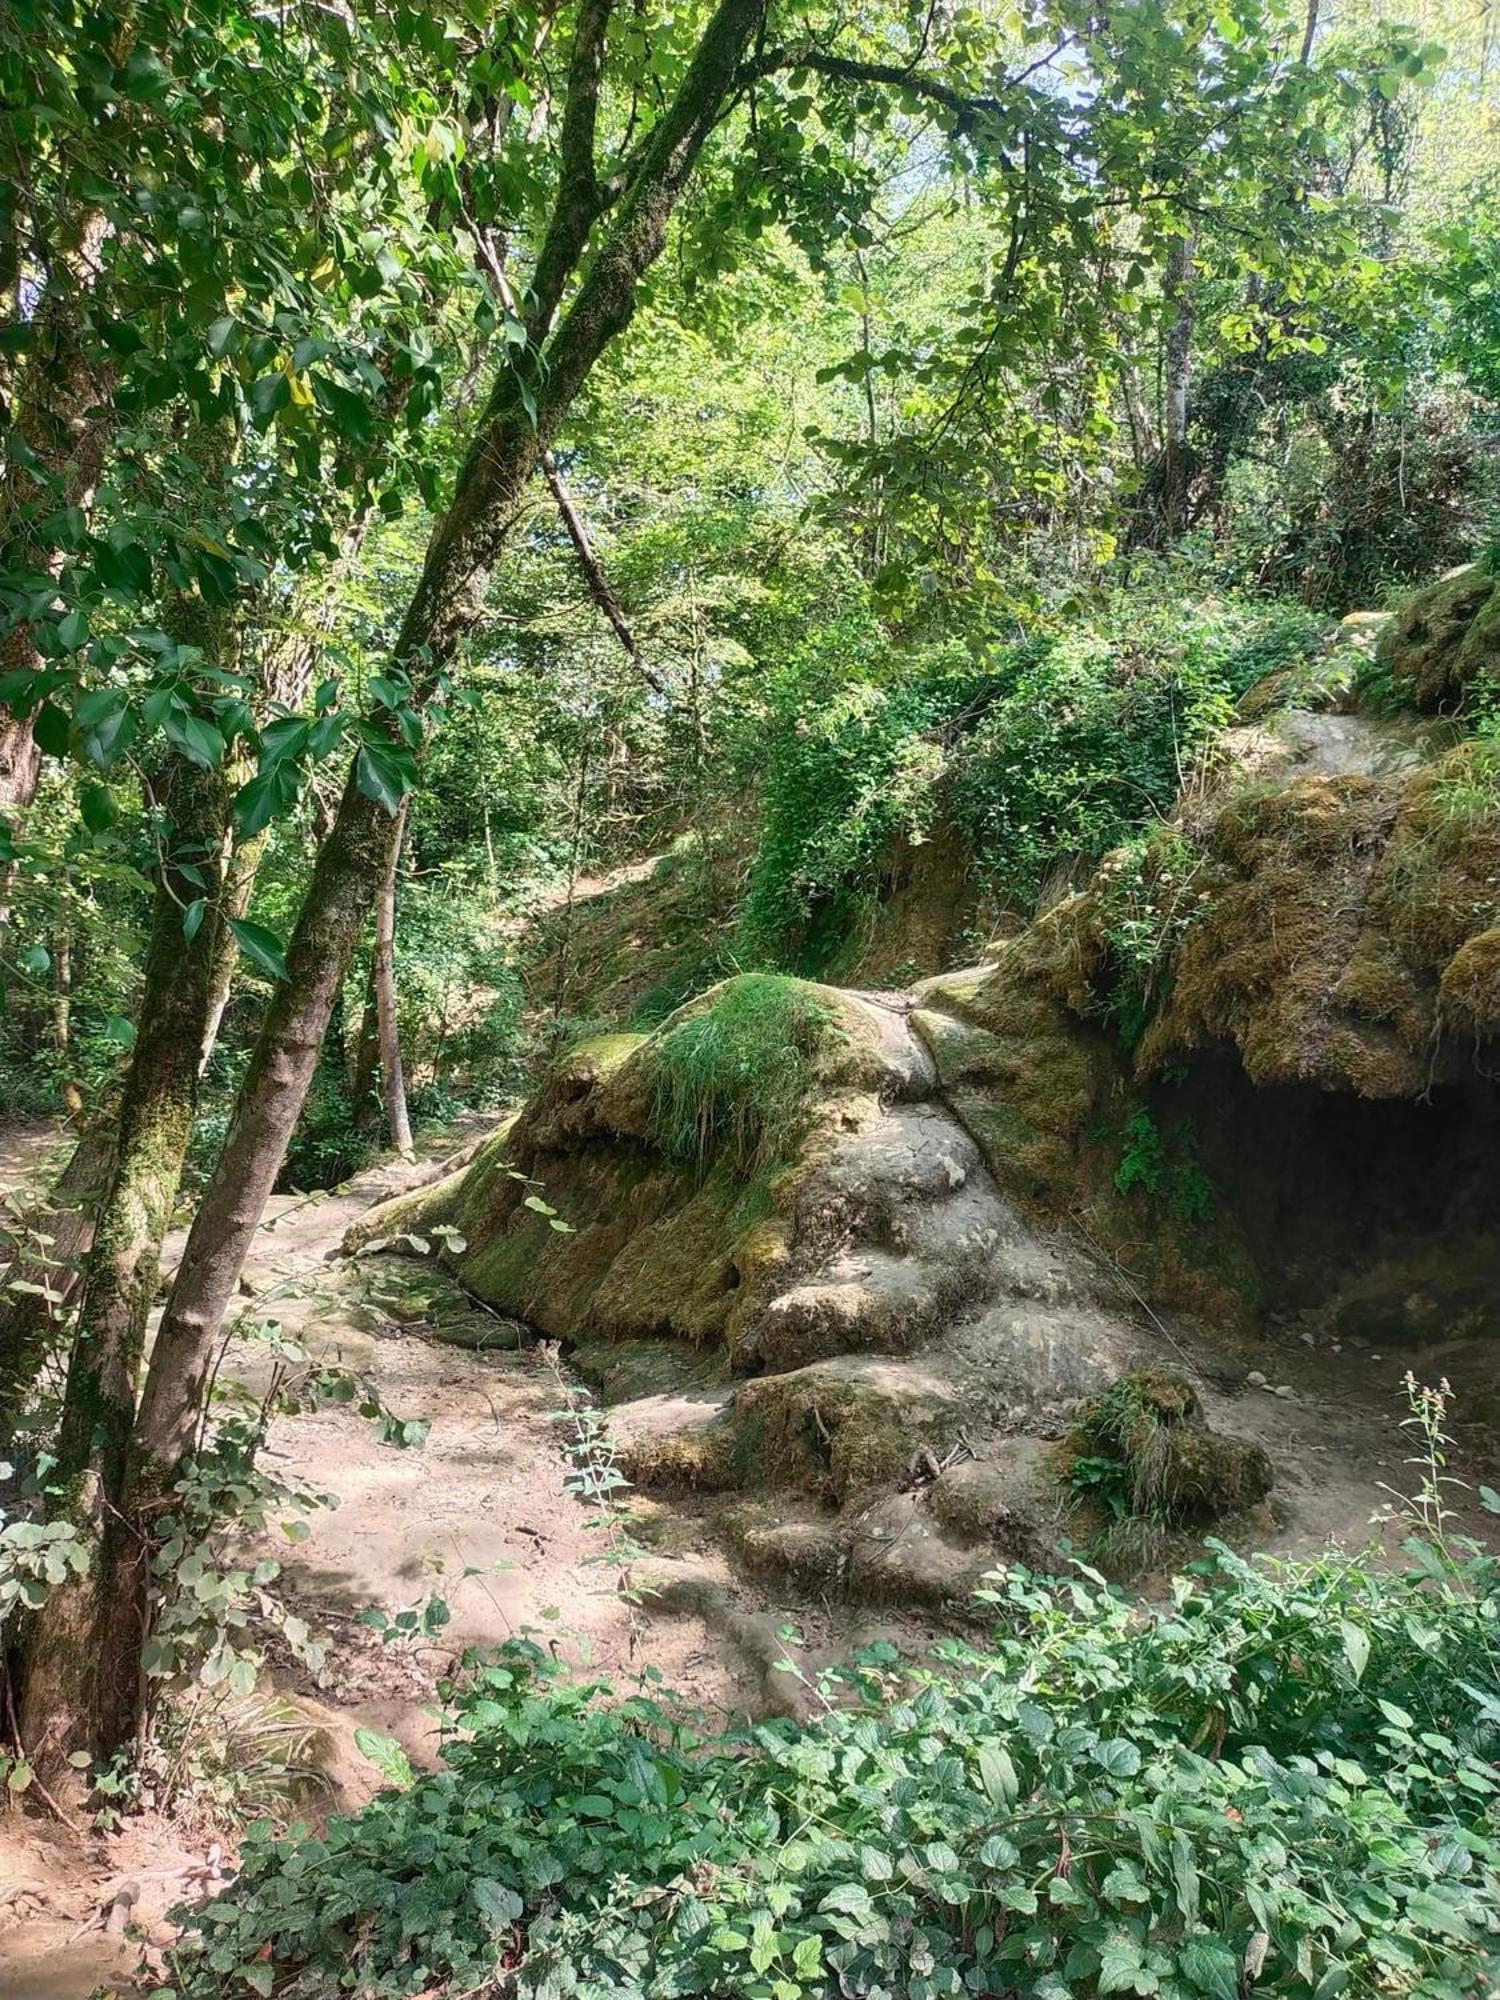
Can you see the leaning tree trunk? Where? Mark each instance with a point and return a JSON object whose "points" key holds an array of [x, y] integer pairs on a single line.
{"points": [[392, 1071], [519, 424], [69, 1688], [445, 607]]}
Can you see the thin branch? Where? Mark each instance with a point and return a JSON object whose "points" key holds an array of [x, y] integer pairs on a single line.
{"points": [[600, 588], [967, 109], [599, 585]]}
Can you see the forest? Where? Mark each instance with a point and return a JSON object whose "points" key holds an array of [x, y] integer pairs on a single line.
{"points": [[749, 999]]}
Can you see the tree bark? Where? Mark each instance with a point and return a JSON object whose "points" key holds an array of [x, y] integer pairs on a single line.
{"points": [[1176, 475], [30, 1319], [237, 885], [392, 1071], [62, 986], [62, 418], [364, 1063]]}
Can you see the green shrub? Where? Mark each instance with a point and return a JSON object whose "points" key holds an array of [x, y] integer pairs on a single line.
{"points": [[736, 1076], [1062, 745], [853, 764], [1173, 1177], [1283, 1782]]}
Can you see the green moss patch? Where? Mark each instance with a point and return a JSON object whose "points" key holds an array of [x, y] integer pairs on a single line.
{"points": [[735, 1077], [1443, 646], [1143, 1449]]}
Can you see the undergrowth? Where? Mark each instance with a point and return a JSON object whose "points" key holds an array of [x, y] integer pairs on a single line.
{"points": [[1063, 744], [1283, 1781], [736, 1077]]}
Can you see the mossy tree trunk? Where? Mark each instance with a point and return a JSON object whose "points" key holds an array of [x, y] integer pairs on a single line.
{"points": [[78, 1655]]}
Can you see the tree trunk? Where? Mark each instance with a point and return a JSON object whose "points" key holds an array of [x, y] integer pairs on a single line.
{"points": [[30, 1318], [74, 1659], [1176, 470], [392, 1073], [364, 1063], [61, 416], [350, 867], [237, 886], [62, 987]]}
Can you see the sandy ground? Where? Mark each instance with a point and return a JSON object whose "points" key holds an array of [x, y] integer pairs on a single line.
{"points": [[482, 1515]]}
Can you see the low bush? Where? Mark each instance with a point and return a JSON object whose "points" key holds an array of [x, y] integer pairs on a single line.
{"points": [[1283, 1782]]}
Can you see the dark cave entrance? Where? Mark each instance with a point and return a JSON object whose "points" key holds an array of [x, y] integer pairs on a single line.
{"points": [[1382, 1217]]}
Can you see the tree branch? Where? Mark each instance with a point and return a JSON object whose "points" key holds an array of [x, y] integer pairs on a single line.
{"points": [[579, 196], [967, 109], [600, 588]]}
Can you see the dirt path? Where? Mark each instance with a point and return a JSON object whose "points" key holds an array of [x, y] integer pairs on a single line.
{"points": [[481, 1515]]}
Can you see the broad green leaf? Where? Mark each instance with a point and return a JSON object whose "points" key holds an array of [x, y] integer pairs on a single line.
{"points": [[262, 947], [381, 775], [997, 1773], [389, 1759]]}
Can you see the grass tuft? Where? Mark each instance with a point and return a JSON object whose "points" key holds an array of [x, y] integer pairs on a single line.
{"points": [[736, 1078]]}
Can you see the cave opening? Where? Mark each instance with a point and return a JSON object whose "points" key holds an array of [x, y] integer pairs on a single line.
{"points": [[1382, 1217]]}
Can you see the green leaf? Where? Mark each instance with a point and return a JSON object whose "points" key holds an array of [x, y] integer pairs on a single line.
{"points": [[389, 1759], [50, 728], [381, 775], [268, 395], [73, 631], [499, 1905], [199, 741], [1210, 1967], [1120, 1758], [351, 414], [262, 947], [997, 1773], [97, 807], [192, 917], [1356, 1644], [269, 795]]}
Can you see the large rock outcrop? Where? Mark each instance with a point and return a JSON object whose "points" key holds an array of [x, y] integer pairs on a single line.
{"points": [[854, 1262]]}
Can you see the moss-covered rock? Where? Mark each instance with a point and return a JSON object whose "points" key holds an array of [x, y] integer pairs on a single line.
{"points": [[1169, 1465], [1028, 1083], [1443, 643], [841, 1427]]}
